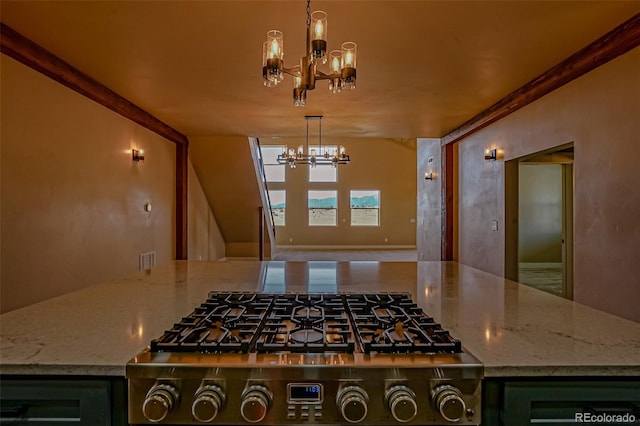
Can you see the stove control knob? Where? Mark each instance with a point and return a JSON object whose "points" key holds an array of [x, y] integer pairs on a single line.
{"points": [[159, 402], [449, 402], [256, 400], [352, 403], [401, 400], [207, 402]]}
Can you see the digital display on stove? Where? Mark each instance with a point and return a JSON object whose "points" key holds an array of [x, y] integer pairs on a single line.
{"points": [[304, 392]]}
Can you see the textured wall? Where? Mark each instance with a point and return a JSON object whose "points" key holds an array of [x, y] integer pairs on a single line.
{"points": [[540, 221], [599, 114], [205, 238], [428, 228], [480, 201], [72, 198], [225, 169], [387, 165]]}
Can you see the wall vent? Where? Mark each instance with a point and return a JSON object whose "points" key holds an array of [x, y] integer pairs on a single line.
{"points": [[146, 261]]}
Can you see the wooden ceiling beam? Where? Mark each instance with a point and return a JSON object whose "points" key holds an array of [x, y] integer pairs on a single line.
{"points": [[613, 44], [20, 48]]}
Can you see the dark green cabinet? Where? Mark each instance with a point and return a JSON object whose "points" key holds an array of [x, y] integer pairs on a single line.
{"points": [[561, 401], [63, 401]]}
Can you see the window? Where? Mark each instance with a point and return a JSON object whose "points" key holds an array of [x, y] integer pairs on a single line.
{"points": [[365, 208], [272, 170], [278, 201], [323, 173], [323, 208]]}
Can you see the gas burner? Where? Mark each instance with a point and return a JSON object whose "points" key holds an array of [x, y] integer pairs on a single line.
{"points": [[314, 323], [306, 336]]}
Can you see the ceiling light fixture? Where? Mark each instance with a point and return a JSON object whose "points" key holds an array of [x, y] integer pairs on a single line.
{"points": [[343, 62], [320, 155]]}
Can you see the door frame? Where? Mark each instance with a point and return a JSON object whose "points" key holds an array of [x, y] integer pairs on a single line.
{"points": [[511, 203]]}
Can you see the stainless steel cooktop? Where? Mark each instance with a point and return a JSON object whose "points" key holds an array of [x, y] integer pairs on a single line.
{"points": [[305, 358]]}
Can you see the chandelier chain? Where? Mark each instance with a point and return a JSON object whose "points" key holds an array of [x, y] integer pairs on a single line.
{"points": [[308, 14]]}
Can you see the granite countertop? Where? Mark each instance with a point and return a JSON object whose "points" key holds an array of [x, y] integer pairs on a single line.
{"points": [[513, 329]]}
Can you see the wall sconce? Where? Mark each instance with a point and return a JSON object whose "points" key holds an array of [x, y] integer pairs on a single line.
{"points": [[137, 154], [428, 176], [490, 154]]}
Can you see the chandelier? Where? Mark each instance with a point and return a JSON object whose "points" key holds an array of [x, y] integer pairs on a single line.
{"points": [[317, 155], [342, 62]]}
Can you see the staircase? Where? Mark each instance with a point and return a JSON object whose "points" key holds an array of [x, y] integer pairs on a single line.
{"points": [[227, 169]]}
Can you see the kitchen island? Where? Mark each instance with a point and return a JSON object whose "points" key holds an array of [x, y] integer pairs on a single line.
{"points": [[513, 329], [516, 331]]}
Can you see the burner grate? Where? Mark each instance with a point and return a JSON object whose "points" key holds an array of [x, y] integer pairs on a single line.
{"points": [[392, 323], [225, 322], [313, 323], [307, 323]]}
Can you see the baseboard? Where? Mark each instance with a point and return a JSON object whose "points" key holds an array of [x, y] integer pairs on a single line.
{"points": [[223, 259], [343, 247], [540, 265]]}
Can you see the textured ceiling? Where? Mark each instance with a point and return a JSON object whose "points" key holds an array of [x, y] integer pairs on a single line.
{"points": [[424, 67]]}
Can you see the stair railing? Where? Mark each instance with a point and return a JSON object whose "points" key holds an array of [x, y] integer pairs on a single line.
{"points": [[266, 213]]}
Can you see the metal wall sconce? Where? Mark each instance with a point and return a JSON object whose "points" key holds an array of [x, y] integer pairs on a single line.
{"points": [[428, 176], [137, 155], [490, 154]]}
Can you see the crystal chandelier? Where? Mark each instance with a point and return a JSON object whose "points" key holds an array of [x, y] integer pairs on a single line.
{"points": [[317, 155], [342, 62]]}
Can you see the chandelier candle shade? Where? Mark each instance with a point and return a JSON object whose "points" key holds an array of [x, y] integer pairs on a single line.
{"points": [[342, 62], [320, 155]]}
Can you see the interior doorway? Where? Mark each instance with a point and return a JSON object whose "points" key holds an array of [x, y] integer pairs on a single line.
{"points": [[539, 220]]}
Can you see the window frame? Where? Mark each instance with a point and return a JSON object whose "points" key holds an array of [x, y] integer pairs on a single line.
{"points": [[352, 208], [267, 164], [284, 209], [309, 208], [323, 167]]}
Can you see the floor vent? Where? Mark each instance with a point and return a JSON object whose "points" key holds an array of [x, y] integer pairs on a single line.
{"points": [[146, 261]]}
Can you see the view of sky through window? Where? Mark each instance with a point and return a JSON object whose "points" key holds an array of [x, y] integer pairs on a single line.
{"points": [[278, 199], [273, 171], [365, 208], [323, 208]]}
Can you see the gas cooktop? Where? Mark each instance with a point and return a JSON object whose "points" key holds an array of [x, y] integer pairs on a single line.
{"points": [[307, 323], [305, 358]]}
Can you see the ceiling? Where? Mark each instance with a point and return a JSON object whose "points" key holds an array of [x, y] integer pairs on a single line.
{"points": [[424, 67]]}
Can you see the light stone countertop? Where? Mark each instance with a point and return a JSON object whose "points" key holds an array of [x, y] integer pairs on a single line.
{"points": [[513, 329]]}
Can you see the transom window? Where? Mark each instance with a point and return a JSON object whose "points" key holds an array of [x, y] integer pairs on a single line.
{"points": [[273, 171], [323, 173]]}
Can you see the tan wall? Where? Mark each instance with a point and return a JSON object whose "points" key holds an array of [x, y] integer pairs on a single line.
{"points": [[224, 166], [387, 165], [72, 199], [205, 238], [540, 213], [599, 114], [428, 233]]}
